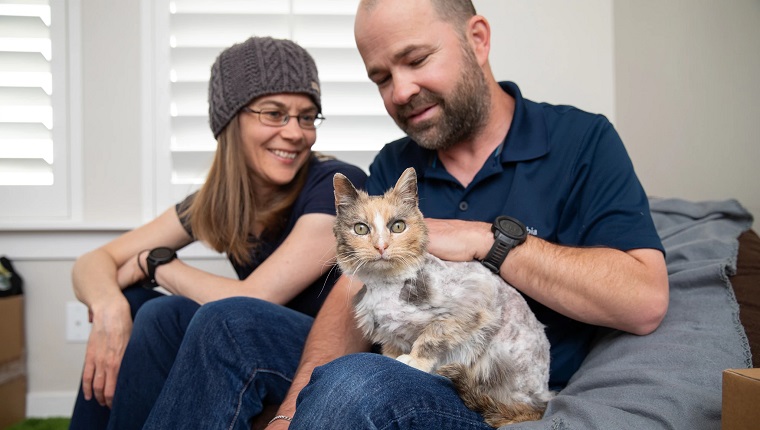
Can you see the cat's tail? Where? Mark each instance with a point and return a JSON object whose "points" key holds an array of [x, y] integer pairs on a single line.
{"points": [[495, 413]]}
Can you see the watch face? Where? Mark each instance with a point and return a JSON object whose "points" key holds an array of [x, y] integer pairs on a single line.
{"points": [[510, 228], [161, 253]]}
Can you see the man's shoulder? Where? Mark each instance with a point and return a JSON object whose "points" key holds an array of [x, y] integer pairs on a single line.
{"points": [[400, 146], [566, 124], [392, 160], [549, 112], [398, 155], [568, 114]]}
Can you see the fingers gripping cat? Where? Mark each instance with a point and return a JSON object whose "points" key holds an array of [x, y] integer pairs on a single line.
{"points": [[456, 319]]}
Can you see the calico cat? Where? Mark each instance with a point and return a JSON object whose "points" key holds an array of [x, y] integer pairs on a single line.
{"points": [[456, 319]]}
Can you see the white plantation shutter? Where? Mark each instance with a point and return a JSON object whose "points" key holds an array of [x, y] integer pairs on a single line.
{"points": [[33, 144], [197, 30]]}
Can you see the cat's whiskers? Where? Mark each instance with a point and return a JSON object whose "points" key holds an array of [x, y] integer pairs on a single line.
{"points": [[351, 258], [327, 278]]}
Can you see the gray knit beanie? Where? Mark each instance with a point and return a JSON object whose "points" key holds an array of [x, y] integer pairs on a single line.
{"points": [[257, 67]]}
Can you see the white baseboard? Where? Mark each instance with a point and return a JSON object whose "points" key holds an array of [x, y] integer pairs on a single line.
{"points": [[50, 404]]}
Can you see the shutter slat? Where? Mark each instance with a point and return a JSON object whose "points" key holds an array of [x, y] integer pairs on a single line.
{"points": [[26, 85], [327, 31], [221, 31], [349, 132], [339, 65], [325, 7], [192, 134], [216, 7], [192, 64], [18, 141], [346, 98]]}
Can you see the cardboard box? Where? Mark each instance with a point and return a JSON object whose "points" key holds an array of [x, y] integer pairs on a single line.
{"points": [[13, 404], [12, 361], [741, 398]]}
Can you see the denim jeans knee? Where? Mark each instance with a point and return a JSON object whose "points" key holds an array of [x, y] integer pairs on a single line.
{"points": [[238, 354], [164, 318], [371, 391]]}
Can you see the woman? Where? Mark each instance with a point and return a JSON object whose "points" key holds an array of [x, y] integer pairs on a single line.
{"points": [[267, 203]]}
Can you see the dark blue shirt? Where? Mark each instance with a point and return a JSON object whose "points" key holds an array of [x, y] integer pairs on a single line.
{"points": [[563, 172], [317, 196]]}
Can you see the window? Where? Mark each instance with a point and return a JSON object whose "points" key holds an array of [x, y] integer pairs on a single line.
{"points": [[189, 34], [34, 151]]}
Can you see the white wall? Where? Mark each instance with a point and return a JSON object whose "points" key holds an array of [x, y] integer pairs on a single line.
{"points": [[111, 97], [556, 51], [688, 97], [668, 74]]}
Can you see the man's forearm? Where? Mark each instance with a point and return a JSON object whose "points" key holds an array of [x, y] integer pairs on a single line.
{"points": [[596, 285], [333, 335], [601, 286]]}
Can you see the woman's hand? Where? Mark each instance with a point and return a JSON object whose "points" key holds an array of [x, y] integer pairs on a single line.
{"points": [[111, 328], [279, 425]]}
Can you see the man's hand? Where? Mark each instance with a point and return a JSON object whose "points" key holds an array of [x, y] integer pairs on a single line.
{"points": [[456, 240]]}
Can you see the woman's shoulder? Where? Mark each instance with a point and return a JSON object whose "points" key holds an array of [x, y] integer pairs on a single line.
{"points": [[323, 168], [317, 195]]}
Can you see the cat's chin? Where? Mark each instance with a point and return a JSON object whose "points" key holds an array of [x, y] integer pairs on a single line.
{"points": [[387, 270], [381, 264]]}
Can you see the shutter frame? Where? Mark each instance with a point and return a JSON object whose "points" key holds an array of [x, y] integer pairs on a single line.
{"points": [[35, 142]]}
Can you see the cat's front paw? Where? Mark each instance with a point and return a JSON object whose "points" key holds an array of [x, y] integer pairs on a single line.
{"points": [[423, 365], [406, 359]]}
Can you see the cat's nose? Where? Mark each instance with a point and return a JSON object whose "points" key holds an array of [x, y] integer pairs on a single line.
{"points": [[381, 246]]}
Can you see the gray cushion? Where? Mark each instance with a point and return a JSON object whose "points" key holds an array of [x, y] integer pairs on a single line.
{"points": [[670, 379]]}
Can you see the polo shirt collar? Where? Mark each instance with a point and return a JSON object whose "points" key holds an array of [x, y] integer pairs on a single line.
{"points": [[527, 138]]}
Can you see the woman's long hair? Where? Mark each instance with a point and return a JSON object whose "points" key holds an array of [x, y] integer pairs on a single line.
{"points": [[225, 211]]}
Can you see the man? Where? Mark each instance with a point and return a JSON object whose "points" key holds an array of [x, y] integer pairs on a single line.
{"points": [[593, 257]]}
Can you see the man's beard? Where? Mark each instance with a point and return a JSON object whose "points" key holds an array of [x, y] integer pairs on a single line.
{"points": [[463, 114]]}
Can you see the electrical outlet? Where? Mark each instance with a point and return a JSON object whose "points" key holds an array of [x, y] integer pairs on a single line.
{"points": [[77, 322]]}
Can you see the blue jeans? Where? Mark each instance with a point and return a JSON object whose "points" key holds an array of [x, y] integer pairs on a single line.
{"points": [[238, 355], [156, 339], [370, 391], [89, 415], [210, 366]]}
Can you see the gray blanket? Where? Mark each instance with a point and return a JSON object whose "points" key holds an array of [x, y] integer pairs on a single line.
{"points": [[670, 379]]}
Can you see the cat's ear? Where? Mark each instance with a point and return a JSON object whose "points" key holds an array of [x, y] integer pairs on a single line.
{"points": [[345, 192], [406, 186]]}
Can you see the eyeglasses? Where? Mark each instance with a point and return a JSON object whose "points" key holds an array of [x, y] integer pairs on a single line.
{"points": [[276, 118]]}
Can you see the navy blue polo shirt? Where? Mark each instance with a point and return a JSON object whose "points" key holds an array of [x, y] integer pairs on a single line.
{"points": [[563, 172]]}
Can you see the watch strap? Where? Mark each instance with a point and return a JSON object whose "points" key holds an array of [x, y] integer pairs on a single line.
{"points": [[508, 233], [153, 263], [497, 255], [152, 271]]}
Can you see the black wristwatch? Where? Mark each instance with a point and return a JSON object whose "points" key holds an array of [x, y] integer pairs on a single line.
{"points": [[507, 233], [157, 257]]}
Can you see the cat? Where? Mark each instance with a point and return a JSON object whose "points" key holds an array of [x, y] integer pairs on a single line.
{"points": [[456, 319]]}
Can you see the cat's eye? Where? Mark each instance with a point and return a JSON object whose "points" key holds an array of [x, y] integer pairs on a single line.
{"points": [[398, 226], [361, 229]]}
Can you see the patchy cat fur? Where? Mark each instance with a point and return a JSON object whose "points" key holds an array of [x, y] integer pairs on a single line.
{"points": [[456, 319]]}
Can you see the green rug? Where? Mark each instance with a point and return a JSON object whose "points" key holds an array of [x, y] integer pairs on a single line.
{"points": [[42, 424]]}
